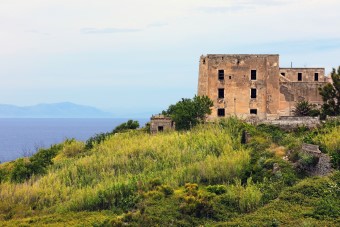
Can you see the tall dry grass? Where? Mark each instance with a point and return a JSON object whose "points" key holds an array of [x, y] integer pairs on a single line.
{"points": [[111, 174]]}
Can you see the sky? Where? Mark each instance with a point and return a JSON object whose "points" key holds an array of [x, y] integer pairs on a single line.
{"points": [[136, 57]]}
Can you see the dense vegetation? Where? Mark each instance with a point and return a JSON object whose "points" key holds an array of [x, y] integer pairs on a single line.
{"points": [[187, 113], [331, 95], [211, 175]]}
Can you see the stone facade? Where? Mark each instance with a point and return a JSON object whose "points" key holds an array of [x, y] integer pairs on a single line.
{"points": [[253, 86], [160, 123]]}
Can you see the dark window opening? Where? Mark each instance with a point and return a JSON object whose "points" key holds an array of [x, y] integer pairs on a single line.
{"points": [[253, 111], [316, 76], [160, 128], [283, 74], [229, 77], [253, 93], [221, 112], [299, 76], [253, 74], [203, 61], [221, 74], [220, 93]]}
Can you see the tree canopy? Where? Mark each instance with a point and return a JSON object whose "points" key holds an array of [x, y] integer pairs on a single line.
{"points": [[331, 95], [189, 112]]}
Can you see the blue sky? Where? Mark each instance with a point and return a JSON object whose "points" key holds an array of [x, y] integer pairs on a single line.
{"points": [[134, 58]]}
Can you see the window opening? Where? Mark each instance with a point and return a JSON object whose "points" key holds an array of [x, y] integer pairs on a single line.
{"points": [[221, 112], [221, 74], [253, 74], [220, 93], [253, 93], [253, 111]]}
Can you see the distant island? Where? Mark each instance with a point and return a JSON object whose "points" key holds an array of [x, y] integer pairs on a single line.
{"points": [[53, 110]]}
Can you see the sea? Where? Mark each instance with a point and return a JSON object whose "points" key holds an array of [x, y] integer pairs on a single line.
{"points": [[23, 137]]}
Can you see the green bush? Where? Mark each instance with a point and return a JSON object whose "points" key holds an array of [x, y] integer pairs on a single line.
{"points": [[96, 139], [130, 124], [3, 175], [35, 165], [166, 189], [327, 207], [217, 189], [21, 171]]}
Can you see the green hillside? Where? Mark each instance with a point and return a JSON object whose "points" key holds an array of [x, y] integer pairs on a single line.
{"points": [[205, 176]]}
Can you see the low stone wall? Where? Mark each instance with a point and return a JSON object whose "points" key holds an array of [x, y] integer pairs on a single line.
{"points": [[290, 123]]}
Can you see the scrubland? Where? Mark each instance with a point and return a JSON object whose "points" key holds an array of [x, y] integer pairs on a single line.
{"points": [[206, 176]]}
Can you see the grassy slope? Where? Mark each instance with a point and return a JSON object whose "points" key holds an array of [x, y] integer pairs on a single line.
{"points": [[140, 179]]}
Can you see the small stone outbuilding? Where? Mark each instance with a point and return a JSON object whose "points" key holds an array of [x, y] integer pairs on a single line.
{"points": [[160, 123]]}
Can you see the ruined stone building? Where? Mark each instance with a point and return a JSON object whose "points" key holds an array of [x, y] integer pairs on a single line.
{"points": [[161, 123], [249, 86]]}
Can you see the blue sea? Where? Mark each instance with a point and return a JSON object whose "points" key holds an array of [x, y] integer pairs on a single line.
{"points": [[23, 137]]}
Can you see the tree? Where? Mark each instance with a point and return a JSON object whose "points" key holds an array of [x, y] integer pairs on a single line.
{"points": [[130, 124], [304, 108], [331, 95], [189, 112]]}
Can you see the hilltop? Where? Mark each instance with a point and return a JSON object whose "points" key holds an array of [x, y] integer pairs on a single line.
{"points": [[209, 176]]}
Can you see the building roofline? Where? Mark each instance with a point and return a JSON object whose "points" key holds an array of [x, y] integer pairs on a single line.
{"points": [[241, 55], [303, 68]]}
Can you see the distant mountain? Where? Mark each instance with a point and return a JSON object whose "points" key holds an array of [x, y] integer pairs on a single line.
{"points": [[54, 110]]}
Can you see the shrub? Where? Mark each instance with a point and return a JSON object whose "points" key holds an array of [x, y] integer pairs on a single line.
{"points": [[96, 139], [73, 148], [167, 190], [3, 175], [130, 124], [217, 189], [195, 203], [327, 207], [21, 171]]}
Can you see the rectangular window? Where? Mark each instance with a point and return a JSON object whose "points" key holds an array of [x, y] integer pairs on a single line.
{"points": [[283, 74], [316, 76], [253, 74], [221, 74], [221, 112], [221, 93], [299, 76], [253, 93], [160, 128], [253, 111]]}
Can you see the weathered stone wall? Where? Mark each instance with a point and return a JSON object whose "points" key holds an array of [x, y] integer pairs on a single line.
{"points": [[308, 74], [161, 123], [323, 166], [276, 95], [293, 92], [291, 123], [237, 84]]}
